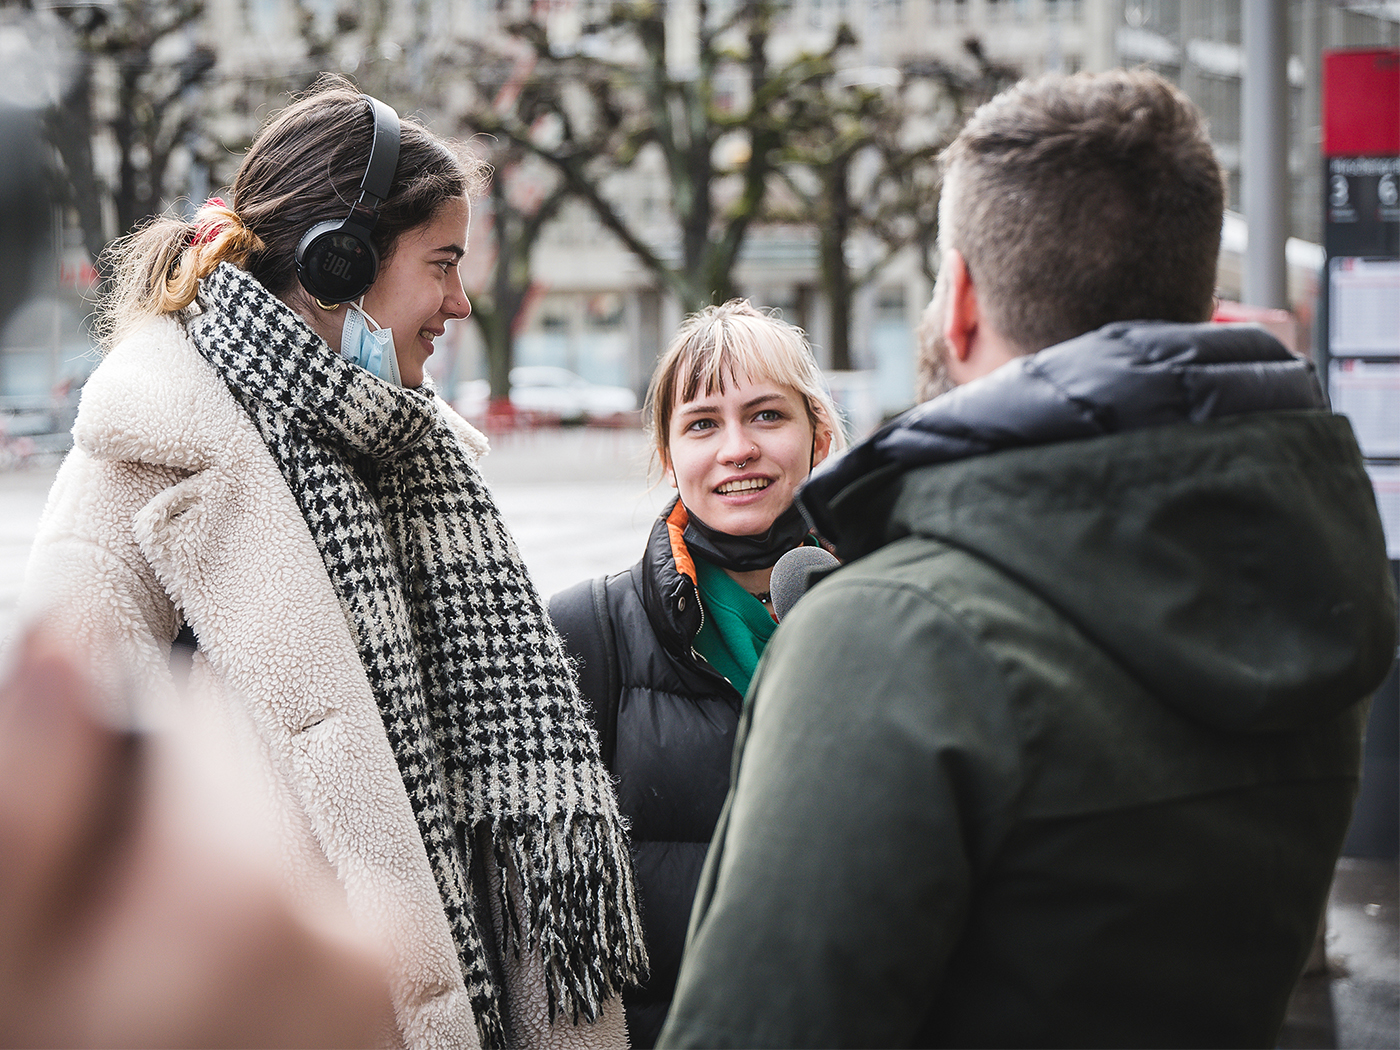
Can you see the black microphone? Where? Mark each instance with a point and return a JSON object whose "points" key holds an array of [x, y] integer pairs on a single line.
{"points": [[792, 576]]}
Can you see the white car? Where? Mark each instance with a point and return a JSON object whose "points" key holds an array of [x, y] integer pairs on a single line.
{"points": [[549, 392]]}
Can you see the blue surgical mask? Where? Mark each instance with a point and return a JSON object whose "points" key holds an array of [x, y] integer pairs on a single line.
{"points": [[364, 343]]}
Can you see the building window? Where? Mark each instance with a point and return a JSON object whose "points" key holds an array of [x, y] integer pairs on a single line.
{"points": [[890, 303], [1221, 22], [1219, 99]]}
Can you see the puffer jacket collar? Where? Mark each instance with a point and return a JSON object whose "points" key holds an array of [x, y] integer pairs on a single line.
{"points": [[668, 584], [1125, 376]]}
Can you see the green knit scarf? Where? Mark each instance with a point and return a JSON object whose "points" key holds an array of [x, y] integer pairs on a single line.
{"points": [[736, 629]]}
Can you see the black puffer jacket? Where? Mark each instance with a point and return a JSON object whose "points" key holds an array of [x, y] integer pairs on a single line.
{"points": [[676, 718]]}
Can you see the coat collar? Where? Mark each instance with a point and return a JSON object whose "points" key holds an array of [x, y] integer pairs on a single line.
{"points": [[155, 400], [1125, 376], [668, 582]]}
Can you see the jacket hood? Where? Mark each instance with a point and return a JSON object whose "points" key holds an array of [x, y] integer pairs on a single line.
{"points": [[1179, 492]]}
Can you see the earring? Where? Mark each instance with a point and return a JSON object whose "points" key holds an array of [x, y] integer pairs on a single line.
{"points": [[330, 307]]}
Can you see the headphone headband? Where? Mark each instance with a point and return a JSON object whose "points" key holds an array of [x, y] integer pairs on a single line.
{"points": [[383, 153]]}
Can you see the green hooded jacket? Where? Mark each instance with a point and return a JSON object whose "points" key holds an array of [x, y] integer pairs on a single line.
{"points": [[1065, 753]]}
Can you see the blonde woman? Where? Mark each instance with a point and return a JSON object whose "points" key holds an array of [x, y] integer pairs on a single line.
{"points": [[739, 416]]}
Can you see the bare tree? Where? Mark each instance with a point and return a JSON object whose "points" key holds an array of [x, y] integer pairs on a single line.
{"points": [[716, 126], [157, 67], [862, 157], [509, 221], [516, 222]]}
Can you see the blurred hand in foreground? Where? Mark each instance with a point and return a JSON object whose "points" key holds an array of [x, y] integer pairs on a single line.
{"points": [[122, 923]]}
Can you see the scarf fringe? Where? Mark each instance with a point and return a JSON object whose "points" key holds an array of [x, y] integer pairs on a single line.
{"points": [[583, 918], [490, 1032]]}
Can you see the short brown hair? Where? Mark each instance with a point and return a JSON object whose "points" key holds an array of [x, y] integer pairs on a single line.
{"points": [[1081, 200]]}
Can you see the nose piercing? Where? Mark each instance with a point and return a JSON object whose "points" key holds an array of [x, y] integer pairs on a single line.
{"points": [[752, 454]]}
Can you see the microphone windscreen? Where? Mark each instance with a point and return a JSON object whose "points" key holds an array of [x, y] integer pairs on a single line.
{"points": [[791, 574]]}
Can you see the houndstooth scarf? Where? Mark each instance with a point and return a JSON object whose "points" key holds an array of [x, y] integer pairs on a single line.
{"points": [[476, 695]]}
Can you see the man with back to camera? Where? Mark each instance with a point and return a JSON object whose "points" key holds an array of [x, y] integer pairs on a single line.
{"points": [[1064, 754]]}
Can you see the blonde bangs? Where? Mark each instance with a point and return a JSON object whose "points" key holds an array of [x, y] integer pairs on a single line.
{"points": [[742, 350]]}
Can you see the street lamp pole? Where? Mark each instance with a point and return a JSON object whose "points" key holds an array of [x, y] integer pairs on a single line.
{"points": [[1264, 163]]}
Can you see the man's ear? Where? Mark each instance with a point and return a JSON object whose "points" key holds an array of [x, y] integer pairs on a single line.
{"points": [[961, 319]]}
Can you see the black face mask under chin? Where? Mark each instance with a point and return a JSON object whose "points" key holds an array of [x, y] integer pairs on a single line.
{"points": [[746, 553]]}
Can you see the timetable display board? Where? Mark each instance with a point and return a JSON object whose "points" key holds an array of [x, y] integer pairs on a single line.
{"points": [[1359, 347], [1365, 317], [1360, 338]]}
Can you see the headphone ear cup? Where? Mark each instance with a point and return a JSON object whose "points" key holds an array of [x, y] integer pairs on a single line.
{"points": [[336, 262]]}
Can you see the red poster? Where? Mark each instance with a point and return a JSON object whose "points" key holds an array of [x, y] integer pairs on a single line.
{"points": [[1361, 103]]}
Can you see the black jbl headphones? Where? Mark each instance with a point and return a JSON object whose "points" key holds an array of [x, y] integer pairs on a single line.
{"points": [[336, 261]]}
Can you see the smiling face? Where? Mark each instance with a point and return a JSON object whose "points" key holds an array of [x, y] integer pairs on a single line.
{"points": [[737, 455], [419, 287]]}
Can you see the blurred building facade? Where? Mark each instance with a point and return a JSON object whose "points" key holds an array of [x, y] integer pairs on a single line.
{"points": [[597, 312], [593, 291]]}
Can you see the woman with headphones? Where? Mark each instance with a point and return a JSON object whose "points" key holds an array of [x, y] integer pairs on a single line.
{"points": [[262, 470]]}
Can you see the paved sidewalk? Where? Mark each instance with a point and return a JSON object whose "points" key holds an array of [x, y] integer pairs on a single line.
{"points": [[578, 501], [1355, 1000], [22, 494]]}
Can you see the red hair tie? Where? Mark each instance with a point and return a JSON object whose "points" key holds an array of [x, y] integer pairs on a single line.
{"points": [[211, 227]]}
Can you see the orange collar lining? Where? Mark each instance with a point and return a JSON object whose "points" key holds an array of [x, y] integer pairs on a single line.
{"points": [[676, 522]]}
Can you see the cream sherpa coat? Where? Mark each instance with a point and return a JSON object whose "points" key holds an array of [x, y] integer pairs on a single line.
{"points": [[171, 509]]}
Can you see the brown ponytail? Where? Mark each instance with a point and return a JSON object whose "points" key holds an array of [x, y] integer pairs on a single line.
{"points": [[219, 236], [157, 269]]}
